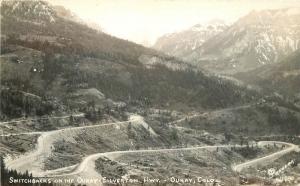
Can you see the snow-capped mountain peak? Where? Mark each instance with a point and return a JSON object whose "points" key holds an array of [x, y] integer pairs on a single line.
{"points": [[212, 26], [180, 43]]}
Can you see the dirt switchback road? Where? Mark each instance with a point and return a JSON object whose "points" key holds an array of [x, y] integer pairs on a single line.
{"points": [[87, 166], [33, 160], [266, 159]]}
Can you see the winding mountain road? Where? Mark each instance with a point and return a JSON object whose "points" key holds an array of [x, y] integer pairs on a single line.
{"points": [[87, 166], [269, 158], [34, 159]]}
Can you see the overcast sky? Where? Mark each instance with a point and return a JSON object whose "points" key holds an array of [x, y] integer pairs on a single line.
{"points": [[142, 21]]}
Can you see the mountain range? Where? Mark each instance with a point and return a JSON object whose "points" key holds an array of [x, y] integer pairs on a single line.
{"points": [[79, 103], [259, 38], [49, 56], [182, 43]]}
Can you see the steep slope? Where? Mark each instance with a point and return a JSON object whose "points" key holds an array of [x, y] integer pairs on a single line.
{"points": [[181, 43], [282, 78], [37, 20], [53, 57], [259, 38]]}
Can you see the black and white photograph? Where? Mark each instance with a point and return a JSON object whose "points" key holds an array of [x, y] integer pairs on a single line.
{"points": [[150, 93]]}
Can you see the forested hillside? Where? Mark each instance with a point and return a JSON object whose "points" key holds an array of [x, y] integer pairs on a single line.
{"points": [[52, 56], [281, 78]]}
